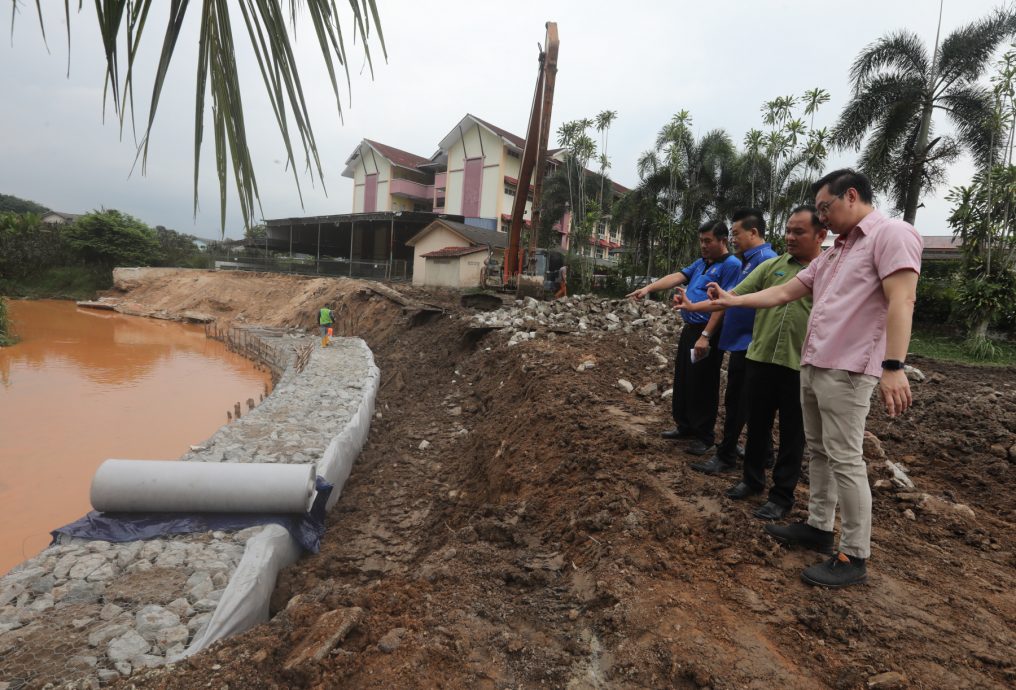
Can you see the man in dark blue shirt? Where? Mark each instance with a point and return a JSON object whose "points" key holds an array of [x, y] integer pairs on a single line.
{"points": [[696, 397], [748, 235]]}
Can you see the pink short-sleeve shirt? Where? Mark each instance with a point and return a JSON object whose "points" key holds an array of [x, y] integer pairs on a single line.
{"points": [[846, 329]]}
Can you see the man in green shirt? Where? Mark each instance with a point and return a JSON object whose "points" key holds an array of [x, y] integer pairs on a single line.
{"points": [[773, 368]]}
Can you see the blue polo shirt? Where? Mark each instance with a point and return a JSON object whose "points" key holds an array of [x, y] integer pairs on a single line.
{"points": [[726, 273], [738, 321]]}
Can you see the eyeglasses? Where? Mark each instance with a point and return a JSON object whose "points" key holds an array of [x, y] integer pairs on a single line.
{"points": [[823, 208]]}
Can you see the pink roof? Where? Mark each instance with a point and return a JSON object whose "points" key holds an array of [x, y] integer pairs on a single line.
{"points": [[399, 157], [454, 251]]}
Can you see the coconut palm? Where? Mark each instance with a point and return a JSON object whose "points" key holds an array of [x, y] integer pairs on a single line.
{"points": [[268, 28], [897, 87], [603, 121]]}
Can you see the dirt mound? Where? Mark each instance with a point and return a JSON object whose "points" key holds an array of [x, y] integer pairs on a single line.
{"points": [[516, 520]]}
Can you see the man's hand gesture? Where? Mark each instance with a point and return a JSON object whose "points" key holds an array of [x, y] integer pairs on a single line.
{"points": [[639, 294], [719, 296], [895, 390]]}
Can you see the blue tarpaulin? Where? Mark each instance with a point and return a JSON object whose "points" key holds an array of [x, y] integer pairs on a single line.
{"points": [[306, 529]]}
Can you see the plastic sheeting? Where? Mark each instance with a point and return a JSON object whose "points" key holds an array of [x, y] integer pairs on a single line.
{"points": [[159, 486], [244, 604]]}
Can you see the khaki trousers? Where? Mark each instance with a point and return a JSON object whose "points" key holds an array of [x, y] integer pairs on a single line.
{"points": [[835, 404]]}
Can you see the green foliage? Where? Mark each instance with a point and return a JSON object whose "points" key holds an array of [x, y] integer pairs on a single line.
{"points": [[897, 87], [60, 282], [110, 238], [27, 245], [6, 335], [936, 298], [993, 295], [13, 204], [178, 249]]}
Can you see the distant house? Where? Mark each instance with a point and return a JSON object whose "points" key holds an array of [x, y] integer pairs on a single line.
{"points": [[473, 174], [451, 254], [59, 218], [940, 247]]}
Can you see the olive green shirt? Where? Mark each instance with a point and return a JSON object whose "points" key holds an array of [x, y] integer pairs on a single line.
{"points": [[778, 334]]}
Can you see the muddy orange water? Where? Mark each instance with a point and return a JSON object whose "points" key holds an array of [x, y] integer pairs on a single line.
{"points": [[82, 386]]}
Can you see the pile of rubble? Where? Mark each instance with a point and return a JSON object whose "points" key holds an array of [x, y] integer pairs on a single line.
{"points": [[583, 315]]}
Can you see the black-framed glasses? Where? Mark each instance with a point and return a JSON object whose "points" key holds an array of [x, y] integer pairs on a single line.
{"points": [[823, 208]]}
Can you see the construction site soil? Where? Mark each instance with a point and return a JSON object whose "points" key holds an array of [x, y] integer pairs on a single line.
{"points": [[545, 535]]}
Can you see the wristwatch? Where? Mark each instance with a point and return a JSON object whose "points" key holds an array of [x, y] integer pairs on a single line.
{"points": [[892, 365], [707, 335]]}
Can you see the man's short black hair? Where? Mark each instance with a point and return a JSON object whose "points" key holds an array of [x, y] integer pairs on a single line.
{"points": [[751, 219], [816, 224], [841, 180], [717, 227]]}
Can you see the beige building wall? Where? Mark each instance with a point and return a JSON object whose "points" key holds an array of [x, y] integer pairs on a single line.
{"points": [[439, 238], [476, 142], [471, 268], [369, 162]]}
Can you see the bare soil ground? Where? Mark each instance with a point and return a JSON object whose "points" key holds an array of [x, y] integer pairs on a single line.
{"points": [[560, 542]]}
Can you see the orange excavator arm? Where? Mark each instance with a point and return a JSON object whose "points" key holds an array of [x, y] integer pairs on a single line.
{"points": [[534, 158]]}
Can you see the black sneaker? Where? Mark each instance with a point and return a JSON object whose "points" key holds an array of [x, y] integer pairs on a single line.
{"points": [[714, 466], [674, 434], [802, 534], [771, 511], [839, 571]]}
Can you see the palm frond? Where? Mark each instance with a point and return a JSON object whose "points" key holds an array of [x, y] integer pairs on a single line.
{"points": [[901, 51], [269, 34], [867, 107], [970, 110], [967, 51]]}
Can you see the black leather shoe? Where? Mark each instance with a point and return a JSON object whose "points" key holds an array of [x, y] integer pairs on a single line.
{"points": [[714, 466], [741, 491], [699, 447], [771, 511], [674, 434], [839, 571], [802, 534]]}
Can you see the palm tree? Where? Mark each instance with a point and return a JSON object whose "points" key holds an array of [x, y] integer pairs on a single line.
{"points": [[754, 141], [897, 87], [268, 27], [603, 121]]}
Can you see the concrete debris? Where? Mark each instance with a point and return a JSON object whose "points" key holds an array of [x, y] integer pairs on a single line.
{"points": [[899, 475], [647, 390], [581, 315], [625, 385], [913, 373]]}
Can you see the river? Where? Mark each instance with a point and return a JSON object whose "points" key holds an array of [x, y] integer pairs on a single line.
{"points": [[82, 386]]}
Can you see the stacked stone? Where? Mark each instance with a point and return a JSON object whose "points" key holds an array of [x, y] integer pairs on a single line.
{"points": [[113, 608], [584, 315]]}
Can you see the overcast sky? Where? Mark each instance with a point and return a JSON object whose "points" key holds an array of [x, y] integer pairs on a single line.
{"points": [[647, 60]]}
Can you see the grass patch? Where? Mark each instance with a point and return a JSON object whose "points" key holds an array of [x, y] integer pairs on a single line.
{"points": [[956, 348], [65, 282]]}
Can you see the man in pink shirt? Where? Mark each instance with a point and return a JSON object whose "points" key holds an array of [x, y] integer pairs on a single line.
{"points": [[864, 289]]}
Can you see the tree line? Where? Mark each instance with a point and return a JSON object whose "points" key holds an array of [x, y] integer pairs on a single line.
{"points": [[31, 251]]}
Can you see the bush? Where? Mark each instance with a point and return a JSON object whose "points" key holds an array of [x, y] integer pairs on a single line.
{"points": [[936, 298]]}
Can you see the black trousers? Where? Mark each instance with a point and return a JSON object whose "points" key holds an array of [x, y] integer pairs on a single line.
{"points": [[696, 397], [774, 388], [735, 406]]}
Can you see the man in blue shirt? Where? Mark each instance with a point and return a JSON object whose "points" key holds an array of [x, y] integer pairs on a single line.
{"points": [[696, 398], [748, 235]]}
